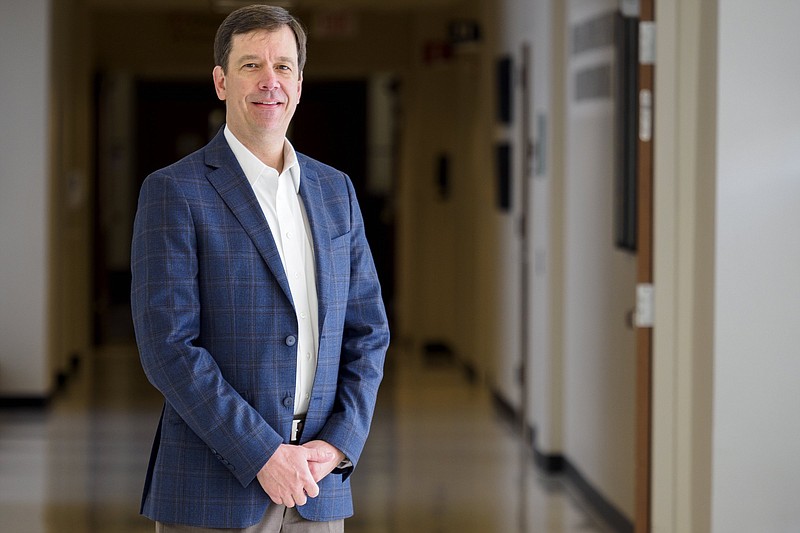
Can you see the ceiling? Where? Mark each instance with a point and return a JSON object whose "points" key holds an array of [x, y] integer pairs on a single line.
{"points": [[228, 5]]}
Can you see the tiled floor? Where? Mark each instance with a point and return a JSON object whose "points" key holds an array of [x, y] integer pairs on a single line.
{"points": [[438, 460]]}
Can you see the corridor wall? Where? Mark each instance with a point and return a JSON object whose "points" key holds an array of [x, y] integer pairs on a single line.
{"points": [[45, 197], [756, 425], [727, 168], [24, 199], [581, 352], [599, 278], [447, 255]]}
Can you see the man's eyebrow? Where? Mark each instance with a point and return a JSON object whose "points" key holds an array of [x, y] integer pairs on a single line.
{"points": [[287, 59], [249, 57], [253, 57]]}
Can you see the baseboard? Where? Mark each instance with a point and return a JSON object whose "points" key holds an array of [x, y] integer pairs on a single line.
{"points": [[439, 352], [504, 407], [558, 464], [61, 379], [599, 504], [550, 463], [24, 402]]}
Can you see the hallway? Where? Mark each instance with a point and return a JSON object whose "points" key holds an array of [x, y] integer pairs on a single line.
{"points": [[439, 458]]}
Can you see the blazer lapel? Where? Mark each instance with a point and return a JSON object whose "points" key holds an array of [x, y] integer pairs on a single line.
{"points": [[311, 193], [229, 181]]}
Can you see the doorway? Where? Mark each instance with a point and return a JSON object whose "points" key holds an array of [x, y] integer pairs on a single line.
{"points": [[142, 125], [331, 124]]}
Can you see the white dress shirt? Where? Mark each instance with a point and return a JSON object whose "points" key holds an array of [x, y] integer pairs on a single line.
{"points": [[278, 195]]}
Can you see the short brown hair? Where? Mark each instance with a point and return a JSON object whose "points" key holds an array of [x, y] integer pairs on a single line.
{"points": [[252, 18]]}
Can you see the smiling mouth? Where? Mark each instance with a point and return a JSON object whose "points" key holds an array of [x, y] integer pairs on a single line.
{"points": [[269, 102]]}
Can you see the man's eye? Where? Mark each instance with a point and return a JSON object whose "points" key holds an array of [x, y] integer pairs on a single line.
{"points": [[284, 67], [249, 65]]}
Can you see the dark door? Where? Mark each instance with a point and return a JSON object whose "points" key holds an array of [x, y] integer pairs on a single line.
{"points": [[330, 125]]}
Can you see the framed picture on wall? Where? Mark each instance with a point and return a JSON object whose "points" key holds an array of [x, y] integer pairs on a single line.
{"points": [[502, 154], [503, 77]]}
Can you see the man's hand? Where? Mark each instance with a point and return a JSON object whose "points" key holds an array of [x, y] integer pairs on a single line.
{"points": [[320, 469], [287, 477]]}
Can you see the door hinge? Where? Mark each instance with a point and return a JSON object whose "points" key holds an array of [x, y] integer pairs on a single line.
{"points": [[647, 42], [646, 115], [645, 306]]}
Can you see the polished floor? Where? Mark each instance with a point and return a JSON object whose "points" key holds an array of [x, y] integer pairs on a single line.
{"points": [[439, 458]]}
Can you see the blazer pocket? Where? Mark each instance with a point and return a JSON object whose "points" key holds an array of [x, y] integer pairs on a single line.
{"points": [[339, 271], [342, 241], [340, 254]]}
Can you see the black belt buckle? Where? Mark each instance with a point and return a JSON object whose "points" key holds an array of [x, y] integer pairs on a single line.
{"points": [[297, 429]]}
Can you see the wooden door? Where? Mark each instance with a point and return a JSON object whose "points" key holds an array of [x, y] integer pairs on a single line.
{"points": [[644, 333]]}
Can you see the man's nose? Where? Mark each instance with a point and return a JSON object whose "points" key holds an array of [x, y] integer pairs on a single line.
{"points": [[269, 80]]}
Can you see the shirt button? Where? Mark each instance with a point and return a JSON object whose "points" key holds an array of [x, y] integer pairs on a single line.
{"points": [[288, 234], [291, 340], [302, 314], [308, 395], [308, 355]]}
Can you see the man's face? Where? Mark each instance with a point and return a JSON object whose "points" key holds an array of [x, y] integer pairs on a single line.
{"points": [[261, 85]]}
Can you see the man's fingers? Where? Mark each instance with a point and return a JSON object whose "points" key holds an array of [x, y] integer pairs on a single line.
{"points": [[315, 455], [312, 490], [287, 478]]}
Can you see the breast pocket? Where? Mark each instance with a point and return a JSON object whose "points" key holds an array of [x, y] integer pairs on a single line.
{"points": [[340, 268]]}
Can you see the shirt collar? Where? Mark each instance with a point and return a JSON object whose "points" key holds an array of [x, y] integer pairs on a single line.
{"points": [[252, 166]]}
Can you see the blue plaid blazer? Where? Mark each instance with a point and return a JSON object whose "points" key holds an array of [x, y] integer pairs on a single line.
{"points": [[216, 332]]}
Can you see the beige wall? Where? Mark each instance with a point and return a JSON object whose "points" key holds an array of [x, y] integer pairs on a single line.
{"points": [[447, 244], [725, 342], [46, 184], [25, 166], [72, 185]]}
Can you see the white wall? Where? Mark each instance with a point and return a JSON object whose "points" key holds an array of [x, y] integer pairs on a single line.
{"points": [[726, 338], [599, 281], [756, 427], [545, 368], [24, 192], [513, 32]]}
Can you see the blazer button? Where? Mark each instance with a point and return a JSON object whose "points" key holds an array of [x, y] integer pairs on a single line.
{"points": [[291, 340], [288, 401]]}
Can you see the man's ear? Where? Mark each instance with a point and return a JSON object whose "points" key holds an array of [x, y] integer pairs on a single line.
{"points": [[299, 86], [219, 82]]}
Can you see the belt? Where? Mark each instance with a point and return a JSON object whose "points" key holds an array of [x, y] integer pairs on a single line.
{"points": [[298, 423]]}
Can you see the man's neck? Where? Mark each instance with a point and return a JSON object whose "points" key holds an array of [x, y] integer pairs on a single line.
{"points": [[269, 151]]}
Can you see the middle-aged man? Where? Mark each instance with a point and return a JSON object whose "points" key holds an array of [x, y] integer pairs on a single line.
{"points": [[257, 309]]}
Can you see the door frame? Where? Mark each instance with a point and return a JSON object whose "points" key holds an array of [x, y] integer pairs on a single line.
{"points": [[644, 277]]}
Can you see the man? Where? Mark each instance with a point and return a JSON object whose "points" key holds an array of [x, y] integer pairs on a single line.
{"points": [[257, 309]]}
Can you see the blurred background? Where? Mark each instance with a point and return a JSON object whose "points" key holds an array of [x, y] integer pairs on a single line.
{"points": [[581, 212]]}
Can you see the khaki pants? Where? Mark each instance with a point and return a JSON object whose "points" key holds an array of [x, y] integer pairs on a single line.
{"points": [[277, 519]]}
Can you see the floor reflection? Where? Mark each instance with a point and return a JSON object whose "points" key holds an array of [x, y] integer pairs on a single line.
{"points": [[439, 458]]}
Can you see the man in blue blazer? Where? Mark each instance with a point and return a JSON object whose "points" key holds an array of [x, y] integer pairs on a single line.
{"points": [[257, 309]]}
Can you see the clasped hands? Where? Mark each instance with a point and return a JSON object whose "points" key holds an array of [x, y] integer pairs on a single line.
{"points": [[291, 475]]}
